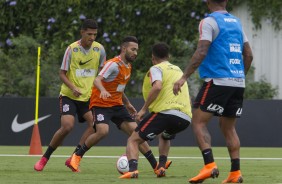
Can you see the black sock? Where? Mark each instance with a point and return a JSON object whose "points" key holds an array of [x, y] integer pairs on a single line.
{"points": [[162, 161], [49, 152], [77, 148], [208, 156], [151, 158], [235, 164], [133, 164], [82, 150]]}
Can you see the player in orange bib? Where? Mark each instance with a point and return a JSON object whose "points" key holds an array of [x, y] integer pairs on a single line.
{"points": [[109, 103]]}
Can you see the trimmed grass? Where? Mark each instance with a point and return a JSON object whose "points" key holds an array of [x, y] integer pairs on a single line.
{"points": [[258, 165]]}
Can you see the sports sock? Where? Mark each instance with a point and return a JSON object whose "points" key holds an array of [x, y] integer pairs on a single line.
{"points": [[235, 164], [133, 164], [49, 152], [151, 158], [162, 161], [208, 156], [77, 148], [82, 150]]}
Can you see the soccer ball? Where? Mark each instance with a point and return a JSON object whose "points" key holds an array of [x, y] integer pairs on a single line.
{"points": [[122, 164]]}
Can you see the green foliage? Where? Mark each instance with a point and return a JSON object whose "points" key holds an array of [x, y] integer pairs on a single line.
{"points": [[260, 90], [54, 24], [18, 68], [266, 9]]}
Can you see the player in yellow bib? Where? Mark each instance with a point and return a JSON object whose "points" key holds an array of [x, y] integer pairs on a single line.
{"points": [[79, 68], [169, 114]]}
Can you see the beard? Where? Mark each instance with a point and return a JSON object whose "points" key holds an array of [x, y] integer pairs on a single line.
{"points": [[129, 59]]}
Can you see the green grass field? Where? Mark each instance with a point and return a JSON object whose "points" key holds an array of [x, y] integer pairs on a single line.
{"points": [[259, 165]]}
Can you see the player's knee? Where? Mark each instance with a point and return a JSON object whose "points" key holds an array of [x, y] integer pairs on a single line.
{"points": [[102, 133], [66, 129]]}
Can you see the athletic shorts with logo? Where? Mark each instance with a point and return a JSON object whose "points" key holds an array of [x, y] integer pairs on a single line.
{"points": [[72, 107], [224, 101], [116, 114], [156, 123]]}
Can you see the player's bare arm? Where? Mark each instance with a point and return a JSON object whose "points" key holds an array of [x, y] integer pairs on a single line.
{"points": [[152, 96], [196, 60], [132, 111], [76, 92], [247, 56], [98, 83]]}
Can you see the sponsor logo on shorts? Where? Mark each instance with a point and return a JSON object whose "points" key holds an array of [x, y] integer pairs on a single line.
{"points": [[215, 108], [151, 136], [239, 112], [66, 108], [100, 117]]}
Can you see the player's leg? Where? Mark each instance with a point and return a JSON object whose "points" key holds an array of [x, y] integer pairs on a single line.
{"points": [[209, 101], [101, 118], [89, 130], [134, 144], [227, 126], [200, 120], [132, 153], [84, 115], [68, 111], [125, 122], [102, 130], [174, 124]]}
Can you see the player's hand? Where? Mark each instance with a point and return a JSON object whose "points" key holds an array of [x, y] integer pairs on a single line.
{"points": [[76, 92], [139, 116], [132, 111], [105, 94], [177, 86]]}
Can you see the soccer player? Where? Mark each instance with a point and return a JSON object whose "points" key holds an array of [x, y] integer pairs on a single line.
{"points": [[224, 57], [109, 103], [169, 114], [79, 68]]}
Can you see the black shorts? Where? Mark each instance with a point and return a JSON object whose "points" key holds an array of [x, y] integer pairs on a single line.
{"points": [[220, 100], [72, 107], [156, 123], [116, 114]]}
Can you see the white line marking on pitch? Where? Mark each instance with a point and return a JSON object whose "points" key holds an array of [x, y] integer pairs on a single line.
{"points": [[66, 156]]}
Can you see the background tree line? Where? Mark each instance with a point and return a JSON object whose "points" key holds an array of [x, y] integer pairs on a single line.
{"points": [[54, 24]]}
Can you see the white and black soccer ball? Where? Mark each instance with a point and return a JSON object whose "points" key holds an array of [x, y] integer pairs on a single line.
{"points": [[122, 164]]}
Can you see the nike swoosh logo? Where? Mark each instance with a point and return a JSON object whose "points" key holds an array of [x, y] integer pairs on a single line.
{"points": [[83, 63], [18, 127]]}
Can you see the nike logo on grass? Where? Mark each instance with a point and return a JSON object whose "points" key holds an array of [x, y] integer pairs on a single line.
{"points": [[82, 63], [18, 127]]}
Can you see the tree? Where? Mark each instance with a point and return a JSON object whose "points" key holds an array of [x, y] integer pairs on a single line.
{"points": [[55, 24]]}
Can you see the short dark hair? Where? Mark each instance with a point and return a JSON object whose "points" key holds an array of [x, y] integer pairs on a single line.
{"points": [[129, 39], [160, 50], [89, 23]]}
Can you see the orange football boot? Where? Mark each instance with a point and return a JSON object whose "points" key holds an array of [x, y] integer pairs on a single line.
{"points": [[208, 171], [234, 177]]}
